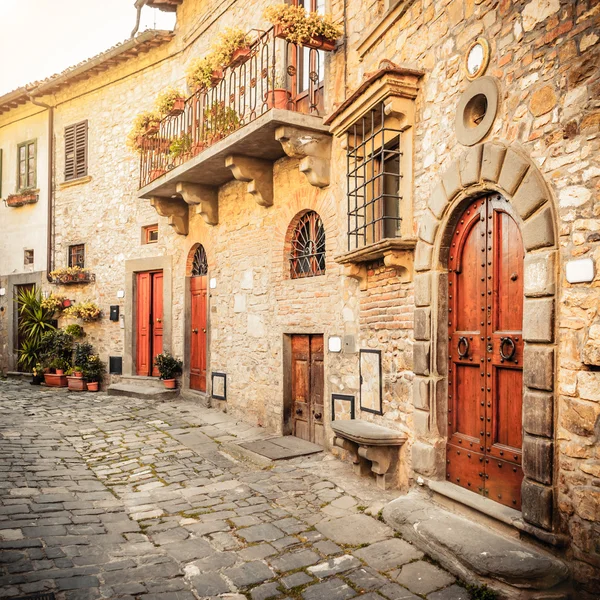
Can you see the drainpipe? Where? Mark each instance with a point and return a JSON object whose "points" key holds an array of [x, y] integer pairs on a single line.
{"points": [[139, 4], [50, 217]]}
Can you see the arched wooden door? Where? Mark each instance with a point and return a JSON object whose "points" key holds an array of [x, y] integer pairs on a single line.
{"points": [[485, 371], [198, 291]]}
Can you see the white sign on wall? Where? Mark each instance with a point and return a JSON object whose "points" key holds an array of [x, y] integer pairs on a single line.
{"points": [[580, 271]]}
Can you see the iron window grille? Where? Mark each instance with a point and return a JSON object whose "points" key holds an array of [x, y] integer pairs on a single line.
{"points": [[200, 263], [374, 175], [77, 255], [307, 257]]}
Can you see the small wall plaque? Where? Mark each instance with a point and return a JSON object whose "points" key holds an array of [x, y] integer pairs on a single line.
{"points": [[219, 386], [212, 283], [334, 343], [580, 271], [342, 407]]}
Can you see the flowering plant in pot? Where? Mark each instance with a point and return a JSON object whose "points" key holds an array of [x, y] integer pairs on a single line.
{"points": [[25, 196], [93, 372], [219, 121], [168, 366], [53, 304], [232, 47], [180, 145], [71, 275], [87, 311], [203, 73], [278, 95], [170, 102], [145, 123], [295, 25]]}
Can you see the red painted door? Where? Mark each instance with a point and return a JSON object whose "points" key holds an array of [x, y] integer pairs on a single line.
{"points": [[149, 317], [485, 374], [198, 334], [307, 388]]}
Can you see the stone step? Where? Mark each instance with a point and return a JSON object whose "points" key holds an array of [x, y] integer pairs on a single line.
{"points": [[154, 382], [141, 391], [475, 553]]}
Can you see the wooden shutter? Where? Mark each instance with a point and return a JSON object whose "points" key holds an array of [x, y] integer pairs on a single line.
{"points": [[76, 150]]}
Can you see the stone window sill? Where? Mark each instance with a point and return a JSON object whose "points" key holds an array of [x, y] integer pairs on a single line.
{"points": [[378, 30], [376, 251], [74, 182]]}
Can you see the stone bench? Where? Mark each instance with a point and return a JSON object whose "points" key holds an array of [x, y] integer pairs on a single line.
{"points": [[373, 448]]}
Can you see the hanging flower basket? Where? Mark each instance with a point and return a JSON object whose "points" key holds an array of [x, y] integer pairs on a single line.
{"points": [[71, 275], [21, 199], [239, 57]]}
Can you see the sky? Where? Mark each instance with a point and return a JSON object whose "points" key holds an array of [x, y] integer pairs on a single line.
{"points": [[39, 38]]}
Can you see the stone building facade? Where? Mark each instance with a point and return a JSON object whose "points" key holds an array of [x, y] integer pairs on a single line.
{"points": [[526, 127]]}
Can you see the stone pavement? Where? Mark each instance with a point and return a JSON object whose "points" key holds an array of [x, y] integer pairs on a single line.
{"points": [[114, 497]]}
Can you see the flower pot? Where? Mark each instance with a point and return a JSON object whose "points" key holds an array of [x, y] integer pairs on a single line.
{"points": [[54, 380], [156, 173], [319, 43], [92, 386], [277, 98], [77, 374], [216, 77], [197, 148], [239, 57], [170, 384], [278, 32], [152, 128], [76, 384], [178, 107], [60, 371]]}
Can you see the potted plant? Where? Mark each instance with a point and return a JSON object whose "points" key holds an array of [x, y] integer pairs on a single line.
{"points": [[75, 331], [38, 375], [295, 25], [22, 197], [170, 103], [93, 372], [56, 355], [232, 48], [180, 145], [53, 304], [168, 366], [277, 96], [145, 123], [202, 73], [87, 311], [75, 380], [69, 275], [219, 121]]}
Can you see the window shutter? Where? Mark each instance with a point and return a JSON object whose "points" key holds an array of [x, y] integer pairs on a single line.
{"points": [[76, 150]]}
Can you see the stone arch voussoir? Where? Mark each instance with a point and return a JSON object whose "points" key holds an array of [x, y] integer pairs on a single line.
{"points": [[488, 167]]}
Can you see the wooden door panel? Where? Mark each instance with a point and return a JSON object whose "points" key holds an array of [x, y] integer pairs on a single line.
{"points": [[316, 389], [198, 290], [485, 316], [157, 318], [301, 386], [143, 327]]}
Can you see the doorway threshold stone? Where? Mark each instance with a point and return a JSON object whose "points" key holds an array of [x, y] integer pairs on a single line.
{"points": [[148, 392], [475, 553], [264, 452]]}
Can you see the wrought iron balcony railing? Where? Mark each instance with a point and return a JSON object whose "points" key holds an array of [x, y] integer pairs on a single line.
{"points": [[274, 74]]}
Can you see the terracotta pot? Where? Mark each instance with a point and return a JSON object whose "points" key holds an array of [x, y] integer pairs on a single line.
{"points": [[239, 57], [76, 384], [278, 98], [216, 77], [197, 148], [320, 43], [178, 107], [170, 384], [54, 380], [92, 386], [152, 129], [77, 374], [60, 371], [278, 32]]}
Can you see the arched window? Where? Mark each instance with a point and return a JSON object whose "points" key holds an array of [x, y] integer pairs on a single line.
{"points": [[199, 265], [307, 257]]}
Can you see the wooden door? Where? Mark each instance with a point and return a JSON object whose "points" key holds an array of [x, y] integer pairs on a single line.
{"points": [[149, 321], [307, 388], [198, 333], [485, 374]]}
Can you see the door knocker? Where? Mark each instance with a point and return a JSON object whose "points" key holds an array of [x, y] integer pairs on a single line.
{"points": [[513, 348], [465, 341]]}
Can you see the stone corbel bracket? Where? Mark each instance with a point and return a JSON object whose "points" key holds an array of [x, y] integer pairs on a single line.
{"points": [[204, 197], [312, 148], [175, 210], [258, 173], [358, 272], [403, 262]]}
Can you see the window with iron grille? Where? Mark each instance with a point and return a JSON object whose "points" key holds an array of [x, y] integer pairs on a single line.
{"points": [[200, 262], [374, 175], [26, 155], [77, 255], [307, 257], [76, 153]]}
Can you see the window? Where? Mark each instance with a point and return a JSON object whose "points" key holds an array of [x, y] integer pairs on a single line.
{"points": [[374, 177], [150, 234], [200, 263], [76, 150], [26, 165], [307, 256], [77, 255], [28, 258]]}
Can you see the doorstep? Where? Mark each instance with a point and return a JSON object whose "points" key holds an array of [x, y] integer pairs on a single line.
{"points": [[264, 452], [141, 390], [475, 553]]}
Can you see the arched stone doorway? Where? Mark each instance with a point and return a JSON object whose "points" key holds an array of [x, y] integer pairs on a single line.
{"points": [[197, 318], [484, 169]]}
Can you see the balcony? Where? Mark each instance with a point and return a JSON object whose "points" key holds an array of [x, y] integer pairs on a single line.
{"points": [[267, 104]]}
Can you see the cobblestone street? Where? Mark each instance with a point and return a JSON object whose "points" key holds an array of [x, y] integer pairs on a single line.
{"points": [[108, 497]]}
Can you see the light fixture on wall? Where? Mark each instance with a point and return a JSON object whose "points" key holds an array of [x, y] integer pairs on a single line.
{"points": [[477, 58], [334, 343]]}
